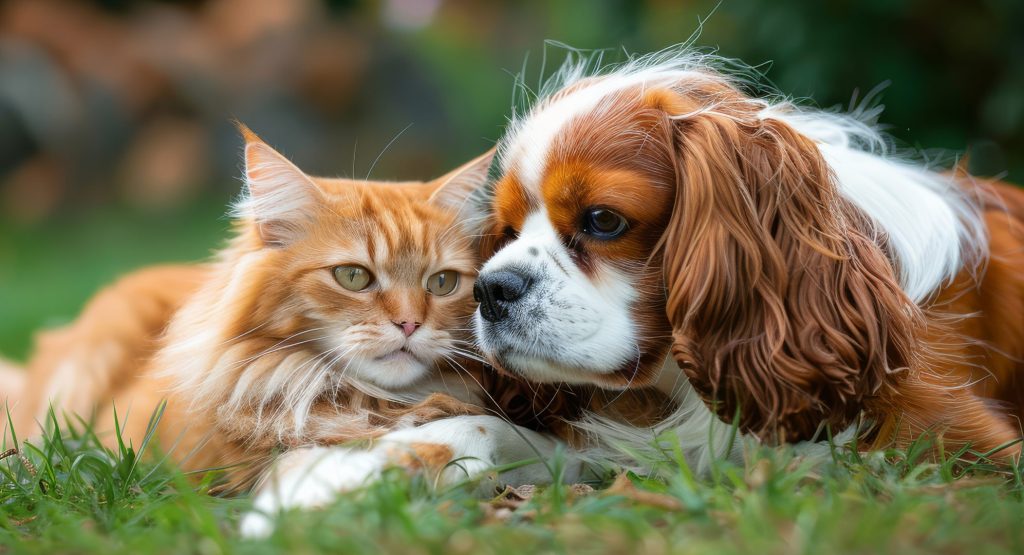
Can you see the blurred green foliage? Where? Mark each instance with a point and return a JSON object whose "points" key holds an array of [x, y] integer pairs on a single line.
{"points": [[116, 148]]}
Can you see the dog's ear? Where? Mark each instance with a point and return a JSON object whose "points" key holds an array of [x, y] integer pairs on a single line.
{"points": [[784, 308]]}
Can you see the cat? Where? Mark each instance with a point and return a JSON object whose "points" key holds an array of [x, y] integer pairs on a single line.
{"points": [[337, 311]]}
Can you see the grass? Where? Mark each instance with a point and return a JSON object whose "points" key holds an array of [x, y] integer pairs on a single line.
{"points": [[69, 495], [47, 272]]}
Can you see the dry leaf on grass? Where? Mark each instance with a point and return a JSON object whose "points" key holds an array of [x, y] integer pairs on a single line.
{"points": [[511, 500], [624, 487], [513, 497]]}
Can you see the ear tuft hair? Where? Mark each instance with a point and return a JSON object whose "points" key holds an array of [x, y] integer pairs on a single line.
{"points": [[279, 198]]}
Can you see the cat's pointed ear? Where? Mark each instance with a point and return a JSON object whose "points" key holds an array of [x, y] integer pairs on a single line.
{"points": [[279, 198], [461, 189]]}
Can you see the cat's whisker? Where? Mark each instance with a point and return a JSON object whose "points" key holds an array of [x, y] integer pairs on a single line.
{"points": [[280, 381], [444, 382], [340, 379], [463, 341], [344, 369], [303, 394], [274, 348], [445, 236], [317, 365], [385, 149], [455, 363], [498, 409], [466, 354], [272, 351], [243, 334], [558, 389]]}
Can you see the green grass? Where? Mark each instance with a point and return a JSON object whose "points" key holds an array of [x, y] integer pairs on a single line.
{"points": [[82, 498], [47, 272]]}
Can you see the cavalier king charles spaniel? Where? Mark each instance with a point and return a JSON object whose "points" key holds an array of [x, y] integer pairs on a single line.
{"points": [[656, 226]]}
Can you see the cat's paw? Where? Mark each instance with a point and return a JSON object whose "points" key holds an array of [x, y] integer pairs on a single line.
{"points": [[309, 478], [256, 525], [449, 452]]}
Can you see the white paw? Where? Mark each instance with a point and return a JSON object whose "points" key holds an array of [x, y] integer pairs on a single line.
{"points": [[463, 448], [308, 478], [256, 525]]}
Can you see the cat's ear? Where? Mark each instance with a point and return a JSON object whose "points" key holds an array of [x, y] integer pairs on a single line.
{"points": [[279, 199], [462, 189]]}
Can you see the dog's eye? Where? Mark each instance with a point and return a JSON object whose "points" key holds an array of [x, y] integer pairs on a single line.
{"points": [[602, 223], [509, 233]]}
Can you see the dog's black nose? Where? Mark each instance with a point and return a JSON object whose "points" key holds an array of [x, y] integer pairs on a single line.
{"points": [[496, 290]]}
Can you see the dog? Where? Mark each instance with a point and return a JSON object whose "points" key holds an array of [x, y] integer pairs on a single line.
{"points": [[655, 226]]}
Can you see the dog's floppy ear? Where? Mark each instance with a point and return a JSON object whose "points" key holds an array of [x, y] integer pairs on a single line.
{"points": [[784, 309]]}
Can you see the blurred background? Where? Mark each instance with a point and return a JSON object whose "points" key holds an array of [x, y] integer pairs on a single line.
{"points": [[116, 147]]}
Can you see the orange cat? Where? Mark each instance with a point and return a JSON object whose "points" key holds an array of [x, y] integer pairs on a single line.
{"points": [[337, 311]]}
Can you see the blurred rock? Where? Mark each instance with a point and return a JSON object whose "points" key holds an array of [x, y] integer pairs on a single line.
{"points": [[166, 164], [32, 192]]}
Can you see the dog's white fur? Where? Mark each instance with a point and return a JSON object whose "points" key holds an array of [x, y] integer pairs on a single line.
{"points": [[931, 228], [590, 333]]}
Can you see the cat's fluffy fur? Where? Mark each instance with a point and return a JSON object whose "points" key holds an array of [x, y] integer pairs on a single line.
{"points": [[263, 349]]}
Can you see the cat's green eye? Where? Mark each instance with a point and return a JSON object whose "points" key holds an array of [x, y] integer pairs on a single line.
{"points": [[353, 278], [443, 283]]}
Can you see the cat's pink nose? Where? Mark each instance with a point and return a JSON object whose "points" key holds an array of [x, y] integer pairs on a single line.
{"points": [[407, 327]]}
